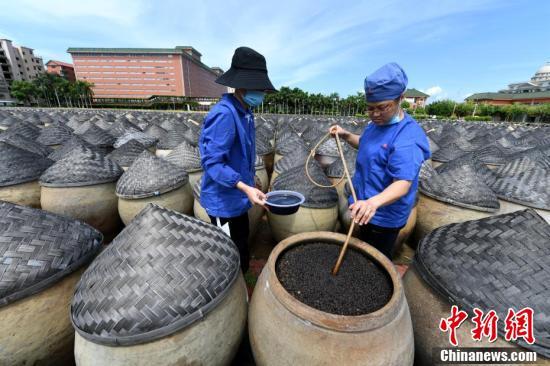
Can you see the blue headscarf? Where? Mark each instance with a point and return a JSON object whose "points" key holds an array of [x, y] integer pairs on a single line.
{"points": [[386, 83]]}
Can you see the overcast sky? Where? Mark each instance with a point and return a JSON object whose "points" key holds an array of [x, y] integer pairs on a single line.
{"points": [[449, 49]]}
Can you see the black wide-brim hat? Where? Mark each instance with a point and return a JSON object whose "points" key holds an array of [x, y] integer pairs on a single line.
{"points": [[248, 71]]}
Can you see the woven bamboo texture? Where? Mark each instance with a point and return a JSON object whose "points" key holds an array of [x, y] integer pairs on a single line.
{"points": [[162, 273]]}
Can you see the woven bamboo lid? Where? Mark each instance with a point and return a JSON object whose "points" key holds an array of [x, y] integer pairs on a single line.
{"points": [[38, 248], [20, 166], [185, 156], [124, 300], [460, 184], [495, 263], [127, 153], [54, 134], [26, 144], [295, 179], [81, 167], [150, 176]]}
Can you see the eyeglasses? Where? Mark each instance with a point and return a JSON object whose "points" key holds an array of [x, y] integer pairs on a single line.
{"points": [[380, 108]]}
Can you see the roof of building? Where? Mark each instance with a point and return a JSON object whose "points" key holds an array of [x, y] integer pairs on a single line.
{"points": [[509, 96], [177, 49], [414, 93], [188, 48], [544, 69], [60, 63], [182, 50]]}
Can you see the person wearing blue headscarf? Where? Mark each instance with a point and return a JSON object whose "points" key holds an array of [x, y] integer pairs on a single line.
{"points": [[227, 146], [392, 149]]}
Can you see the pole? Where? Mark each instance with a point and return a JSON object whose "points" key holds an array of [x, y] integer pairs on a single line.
{"points": [[352, 226]]}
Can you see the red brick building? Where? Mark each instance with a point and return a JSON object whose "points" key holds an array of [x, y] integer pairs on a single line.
{"points": [[534, 91], [511, 98], [62, 69], [145, 72]]}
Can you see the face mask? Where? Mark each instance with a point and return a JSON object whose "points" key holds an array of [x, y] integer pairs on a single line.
{"points": [[253, 98], [395, 119]]}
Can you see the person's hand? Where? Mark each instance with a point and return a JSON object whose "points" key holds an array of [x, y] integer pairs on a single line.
{"points": [[337, 130], [255, 196], [363, 211]]}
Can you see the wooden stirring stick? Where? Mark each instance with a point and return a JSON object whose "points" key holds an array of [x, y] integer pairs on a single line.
{"points": [[347, 175], [352, 226]]}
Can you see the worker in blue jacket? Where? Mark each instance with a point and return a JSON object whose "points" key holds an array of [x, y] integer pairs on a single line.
{"points": [[228, 149], [392, 149]]}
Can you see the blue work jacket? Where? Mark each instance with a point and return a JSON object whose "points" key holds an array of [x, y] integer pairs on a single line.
{"points": [[228, 151], [388, 153]]}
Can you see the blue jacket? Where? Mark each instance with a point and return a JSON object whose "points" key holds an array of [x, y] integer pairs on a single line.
{"points": [[228, 151], [388, 153]]}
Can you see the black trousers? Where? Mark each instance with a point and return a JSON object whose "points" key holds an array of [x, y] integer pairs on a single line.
{"points": [[382, 238], [239, 230]]}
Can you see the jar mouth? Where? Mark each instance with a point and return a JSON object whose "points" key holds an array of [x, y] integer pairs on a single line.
{"points": [[342, 323]]}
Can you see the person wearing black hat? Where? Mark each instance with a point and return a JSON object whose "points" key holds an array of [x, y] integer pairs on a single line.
{"points": [[228, 149]]}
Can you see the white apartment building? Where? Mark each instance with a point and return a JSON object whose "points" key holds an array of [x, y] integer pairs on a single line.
{"points": [[17, 63]]}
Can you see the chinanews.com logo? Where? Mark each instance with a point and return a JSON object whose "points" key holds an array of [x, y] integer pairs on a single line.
{"points": [[518, 326]]}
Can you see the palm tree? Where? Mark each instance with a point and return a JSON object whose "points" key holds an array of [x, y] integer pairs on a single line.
{"points": [[88, 91], [41, 83], [81, 91], [62, 90]]}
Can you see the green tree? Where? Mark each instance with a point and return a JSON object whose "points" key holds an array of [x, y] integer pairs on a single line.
{"points": [[298, 101], [62, 91], [405, 104], [45, 84], [23, 91], [420, 110], [486, 109], [515, 111], [55, 91], [83, 93], [443, 108], [543, 111], [464, 109]]}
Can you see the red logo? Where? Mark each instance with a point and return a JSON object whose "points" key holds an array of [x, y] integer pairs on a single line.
{"points": [[452, 323], [485, 326], [516, 325], [519, 325]]}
